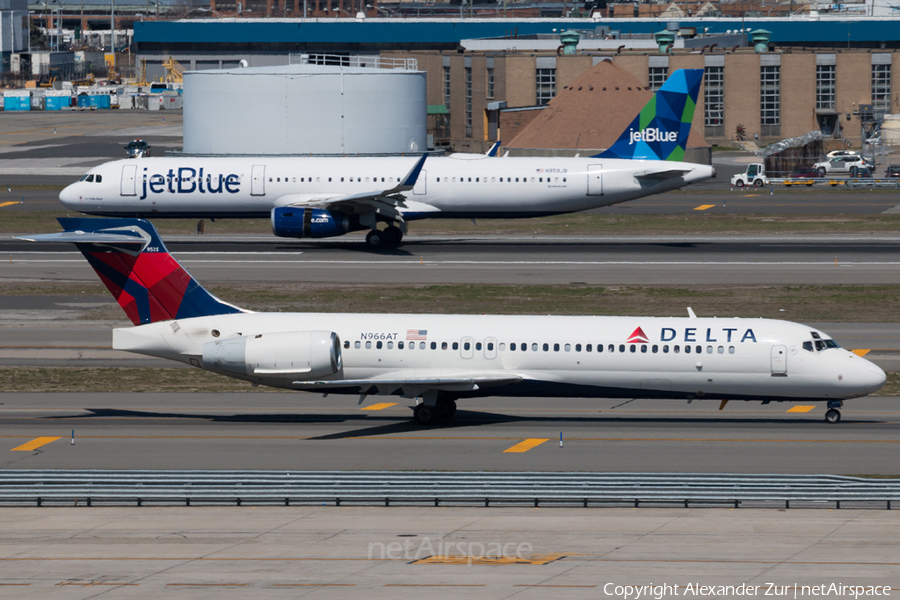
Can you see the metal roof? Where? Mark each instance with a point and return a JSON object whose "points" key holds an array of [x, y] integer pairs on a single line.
{"points": [[437, 33]]}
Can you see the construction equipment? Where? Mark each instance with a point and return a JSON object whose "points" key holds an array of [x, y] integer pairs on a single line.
{"points": [[174, 70]]}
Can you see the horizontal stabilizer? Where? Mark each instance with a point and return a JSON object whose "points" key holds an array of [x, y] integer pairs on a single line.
{"points": [[117, 237]]}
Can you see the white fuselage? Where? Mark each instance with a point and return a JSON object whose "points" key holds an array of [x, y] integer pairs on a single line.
{"points": [[641, 357], [460, 186]]}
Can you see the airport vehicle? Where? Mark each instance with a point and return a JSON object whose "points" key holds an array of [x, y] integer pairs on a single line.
{"points": [[840, 164], [137, 149], [319, 197], [442, 358], [754, 174]]}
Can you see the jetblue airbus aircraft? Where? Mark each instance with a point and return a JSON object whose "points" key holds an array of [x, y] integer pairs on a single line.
{"points": [[438, 359], [326, 197]]}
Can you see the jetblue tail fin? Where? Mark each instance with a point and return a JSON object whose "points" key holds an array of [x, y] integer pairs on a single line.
{"points": [[661, 129], [138, 270]]}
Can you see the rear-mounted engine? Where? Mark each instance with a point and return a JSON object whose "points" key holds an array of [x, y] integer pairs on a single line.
{"points": [[295, 355]]}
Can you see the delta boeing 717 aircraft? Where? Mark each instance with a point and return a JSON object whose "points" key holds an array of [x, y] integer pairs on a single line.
{"points": [[439, 359], [330, 196]]}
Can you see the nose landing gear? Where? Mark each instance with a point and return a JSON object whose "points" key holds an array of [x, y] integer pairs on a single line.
{"points": [[833, 415]]}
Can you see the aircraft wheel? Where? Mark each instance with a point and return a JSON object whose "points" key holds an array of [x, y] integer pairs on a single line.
{"points": [[392, 236], [426, 415], [833, 416], [375, 239], [446, 408], [758, 183]]}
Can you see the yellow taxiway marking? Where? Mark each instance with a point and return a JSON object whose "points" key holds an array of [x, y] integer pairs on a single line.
{"points": [[2, 204], [750, 195], [526, 445], [380, 406], [801, 408], [35, 444], [538, 559], [860, 352], [705, 206]]}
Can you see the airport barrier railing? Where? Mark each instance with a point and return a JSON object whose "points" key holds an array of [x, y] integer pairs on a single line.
{"points": [[851, 182], [60, 487]]}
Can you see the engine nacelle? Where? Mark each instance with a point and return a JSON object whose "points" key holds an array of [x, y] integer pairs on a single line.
{"points": [[294, 355], [288, 221]]}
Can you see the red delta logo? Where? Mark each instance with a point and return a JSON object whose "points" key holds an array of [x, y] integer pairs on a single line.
{"points": [[637, 337]]}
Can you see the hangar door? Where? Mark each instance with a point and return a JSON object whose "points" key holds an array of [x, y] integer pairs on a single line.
{"points": [[595, 180], [127, 185]]}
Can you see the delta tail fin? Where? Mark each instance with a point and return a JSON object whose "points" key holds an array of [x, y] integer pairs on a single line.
{"points": [[661, 129], [138, 270]]}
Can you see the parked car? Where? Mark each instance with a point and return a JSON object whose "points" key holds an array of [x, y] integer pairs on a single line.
{"points": [[893, 171], [137, 149], [863, 172], [840, 165], [802, 176]]}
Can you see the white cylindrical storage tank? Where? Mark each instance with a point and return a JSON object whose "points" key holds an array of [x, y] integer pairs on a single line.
{"points": [[304, 109]]}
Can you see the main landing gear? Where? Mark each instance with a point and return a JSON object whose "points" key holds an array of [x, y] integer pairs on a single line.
{"points": [[384, 238], [834, 415], [443, 410]]}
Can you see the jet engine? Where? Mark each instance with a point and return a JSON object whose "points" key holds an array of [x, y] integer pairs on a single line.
{"points": [[288, 221], [294, 355]]}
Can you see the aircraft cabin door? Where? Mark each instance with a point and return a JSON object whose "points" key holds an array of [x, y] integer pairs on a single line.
{"points": [[421, 187], [595, 180], [466, 347], [258, 180], [127, 187], [490, 348], [779, 360]]}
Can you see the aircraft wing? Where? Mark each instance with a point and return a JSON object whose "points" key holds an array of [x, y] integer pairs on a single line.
{"points": [[383, 202], [413, 386], [662, 175]]}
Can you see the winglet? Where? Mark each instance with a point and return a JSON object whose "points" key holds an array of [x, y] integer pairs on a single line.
{"points": [[493, 149], [409, 181]]}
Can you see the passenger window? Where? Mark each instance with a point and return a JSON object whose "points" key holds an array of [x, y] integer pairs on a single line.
{"points": [[270, 180], [517, 180], [346, 345], [665, 349], [478, 346], [317, 179], [721, 349], [470, 180], [677, 349], [807, 346], [493, 179], [564, 179], [295, 180], [490, 345], [502, 346], [368, 345], [643, 348], [730, 349], [687, 349], [633, 348], [467, 346], [400, 345], [456, 345], [599, 348], [434, 345], [532, 180], [568, 347], [546, 347], [540, 180], [556, 347], [699, 349], [577, 347], [512, 347], [378, 345], [476, 180], [534, 347], [655, 348], [421, 345], [438, 179], [357, 345], [709, 350], [390, 345], [443, 345]]}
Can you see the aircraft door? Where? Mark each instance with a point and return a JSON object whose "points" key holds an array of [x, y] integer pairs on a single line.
{"points": [[127, 186], [595, 180], [421, 187], [466, 346], [258, 180], [490, 348], [779, 360]]}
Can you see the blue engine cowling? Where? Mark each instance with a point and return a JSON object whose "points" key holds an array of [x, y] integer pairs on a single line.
{"points": [[293, 222]]}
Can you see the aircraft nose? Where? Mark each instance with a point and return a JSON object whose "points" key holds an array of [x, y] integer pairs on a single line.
{"points": [[873, 378], [69, 197]]}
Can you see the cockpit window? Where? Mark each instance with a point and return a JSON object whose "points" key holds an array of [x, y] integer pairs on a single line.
{"points": [[89, 178], [826, 344], [808, 346], [831, 344], [815, 336], [83, 177], [99, 178]]}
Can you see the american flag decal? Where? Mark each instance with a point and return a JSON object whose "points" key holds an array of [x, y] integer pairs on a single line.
{"points": [[416, 334]]}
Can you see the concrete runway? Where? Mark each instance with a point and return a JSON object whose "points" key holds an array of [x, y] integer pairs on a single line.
{"points": [[326, 552], [627, 260], [272, 430]]}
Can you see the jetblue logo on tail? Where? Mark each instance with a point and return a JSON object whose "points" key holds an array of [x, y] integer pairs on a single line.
{"points": [[660, 131], [653, 134]]}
